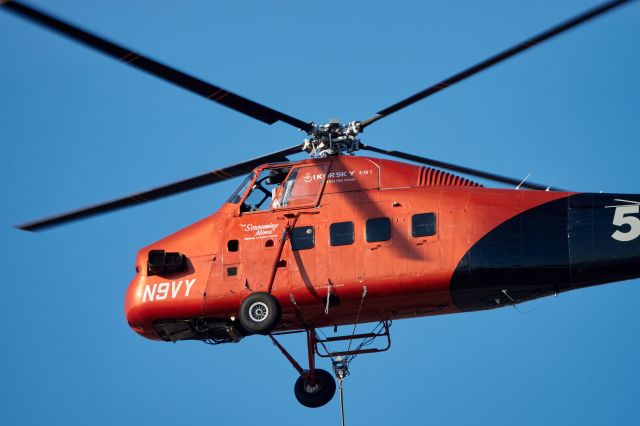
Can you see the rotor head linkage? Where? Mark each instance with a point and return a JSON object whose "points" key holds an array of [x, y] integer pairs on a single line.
{"points": [[332, 138]]}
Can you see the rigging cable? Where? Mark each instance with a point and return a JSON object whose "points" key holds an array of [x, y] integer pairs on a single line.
{"points": [[353, 333], [340, 364], [341, 403], [341, 371]]}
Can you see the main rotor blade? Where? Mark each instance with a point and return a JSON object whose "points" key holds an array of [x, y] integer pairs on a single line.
{"points": [[193, 84], [209, 178], [461, 169], [546, 35]]}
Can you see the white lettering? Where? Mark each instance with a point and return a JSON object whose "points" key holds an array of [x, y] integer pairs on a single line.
{"points": [[175, 288], [163, 290], [189, 284], [336, 177], [622, 217], [150, 292], [267, 229]]}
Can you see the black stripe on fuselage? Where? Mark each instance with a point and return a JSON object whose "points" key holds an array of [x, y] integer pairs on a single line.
{"points": [[558, 246]]}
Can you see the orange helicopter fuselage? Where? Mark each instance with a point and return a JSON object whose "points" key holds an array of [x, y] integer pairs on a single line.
{"points": [[481, 248]]}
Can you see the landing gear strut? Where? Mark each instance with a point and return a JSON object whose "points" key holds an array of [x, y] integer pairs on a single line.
{"points": [[315, 387]]}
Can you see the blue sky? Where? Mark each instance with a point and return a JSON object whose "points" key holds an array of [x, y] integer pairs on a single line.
{"points": [[78, 128]]}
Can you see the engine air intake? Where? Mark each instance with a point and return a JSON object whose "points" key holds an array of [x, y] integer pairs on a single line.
{"points": [[161, 263]]}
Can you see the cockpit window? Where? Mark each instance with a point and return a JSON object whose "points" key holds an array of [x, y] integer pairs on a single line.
{"points": [[264, 193], [303, 186], [284, 195], [238, 193]]}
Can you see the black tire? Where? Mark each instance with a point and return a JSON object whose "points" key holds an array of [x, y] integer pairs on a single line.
{"points": [[259, 313], [318, 395]]}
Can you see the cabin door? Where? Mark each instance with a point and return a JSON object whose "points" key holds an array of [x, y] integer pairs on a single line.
{"points": [[345, 268], [306, 250], [381, 236]]}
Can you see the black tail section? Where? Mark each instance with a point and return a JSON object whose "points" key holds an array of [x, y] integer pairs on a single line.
{"points": [[574, 242]]}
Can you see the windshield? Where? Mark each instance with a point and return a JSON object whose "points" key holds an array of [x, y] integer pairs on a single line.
{"points": [[237, 194]]}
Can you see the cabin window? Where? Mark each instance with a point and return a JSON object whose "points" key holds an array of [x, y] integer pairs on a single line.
{"points": [[232, 271], [233, 245], [378, 229], [341, 233], [302, 238], [423, 225]]}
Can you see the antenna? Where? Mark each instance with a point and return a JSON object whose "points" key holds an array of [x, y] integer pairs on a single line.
{"points": [[523, 181], [514, 304]]}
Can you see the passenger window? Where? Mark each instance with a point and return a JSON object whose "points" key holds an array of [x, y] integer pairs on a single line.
{"points": [[423, 225], [378, 229], [341, 233], [302, 238]]}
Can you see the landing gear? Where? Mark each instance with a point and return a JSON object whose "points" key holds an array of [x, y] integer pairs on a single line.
{"points": [[259, 313], [315, 387], [318, 393]]}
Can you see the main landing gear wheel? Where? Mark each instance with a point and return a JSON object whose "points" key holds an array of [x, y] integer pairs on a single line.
{"points": [[259, 313], [317, 394]]}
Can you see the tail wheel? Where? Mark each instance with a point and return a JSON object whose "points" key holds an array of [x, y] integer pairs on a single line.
{"points": [[259, 313], [317, 394]]}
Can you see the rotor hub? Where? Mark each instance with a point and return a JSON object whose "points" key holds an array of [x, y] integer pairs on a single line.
{"points": [[333, 138]]}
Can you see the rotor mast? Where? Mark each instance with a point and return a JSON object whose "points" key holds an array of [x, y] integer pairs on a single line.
{"points": [[332, 138]]}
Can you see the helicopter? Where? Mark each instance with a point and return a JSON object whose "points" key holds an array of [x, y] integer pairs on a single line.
{"points": [[340, 239]]}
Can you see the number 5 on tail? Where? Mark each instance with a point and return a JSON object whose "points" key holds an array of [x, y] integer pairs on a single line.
{"points": [[624, 216]]}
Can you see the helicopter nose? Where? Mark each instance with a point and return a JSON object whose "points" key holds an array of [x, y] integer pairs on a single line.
{"points": [[137, 314]]}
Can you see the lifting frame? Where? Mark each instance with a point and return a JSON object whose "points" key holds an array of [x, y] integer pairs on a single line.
{"points": [[312, 348]]}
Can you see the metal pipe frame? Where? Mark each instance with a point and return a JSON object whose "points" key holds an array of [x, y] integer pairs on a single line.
{"points": [[310, 374]]}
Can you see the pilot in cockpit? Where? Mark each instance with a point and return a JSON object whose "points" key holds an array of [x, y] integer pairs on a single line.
{"points": [[266, 188]]}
